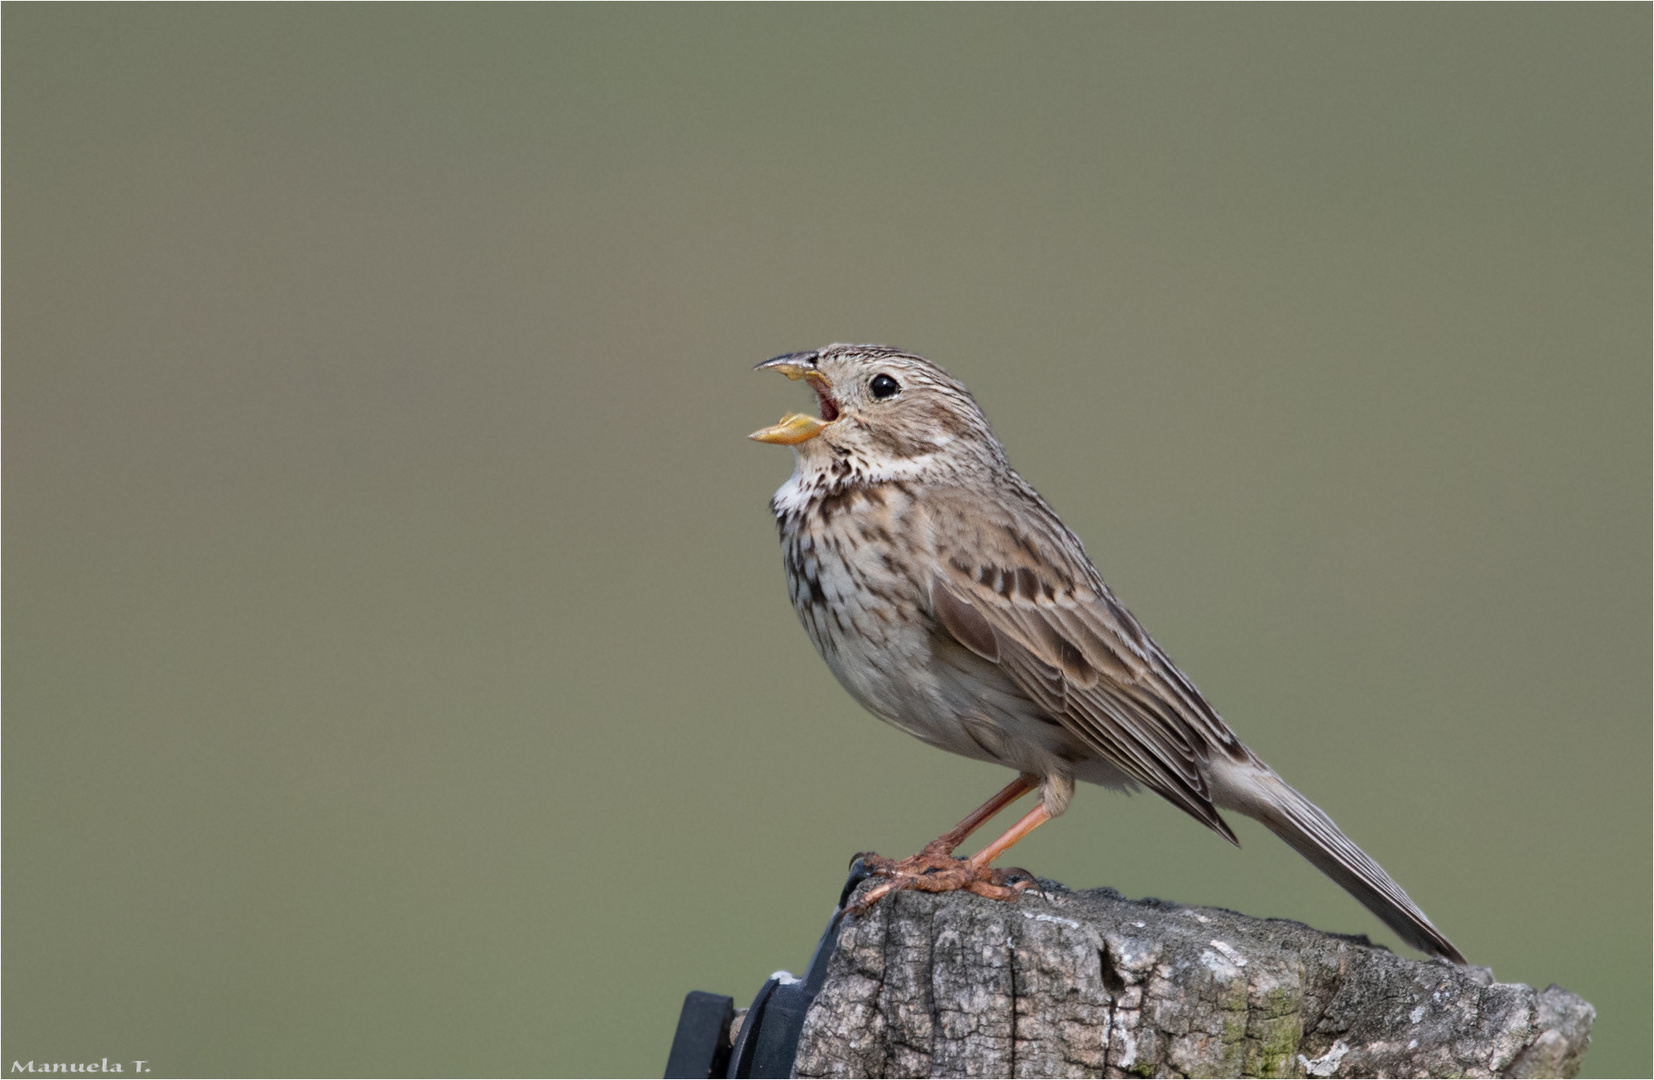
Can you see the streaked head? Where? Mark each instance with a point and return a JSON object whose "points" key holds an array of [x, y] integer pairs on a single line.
{"points": [[884, 412]]}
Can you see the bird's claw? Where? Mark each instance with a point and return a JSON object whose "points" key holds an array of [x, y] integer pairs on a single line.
{"points": [[933, 869]]}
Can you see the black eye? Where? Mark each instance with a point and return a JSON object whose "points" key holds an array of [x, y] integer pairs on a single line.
{"points": [[883, 386]]}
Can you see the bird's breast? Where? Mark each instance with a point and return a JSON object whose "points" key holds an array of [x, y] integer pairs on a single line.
{"points": [[856, 570], [859, 564]]}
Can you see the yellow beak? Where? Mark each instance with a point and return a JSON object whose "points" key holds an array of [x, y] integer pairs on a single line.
{"points": [[794, 428]]}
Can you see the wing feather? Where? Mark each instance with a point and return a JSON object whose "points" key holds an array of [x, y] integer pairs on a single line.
{"points": [[1034, 605]]}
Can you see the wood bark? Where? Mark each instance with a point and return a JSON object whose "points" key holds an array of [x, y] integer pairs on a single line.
{"points": [[1091, 984]]}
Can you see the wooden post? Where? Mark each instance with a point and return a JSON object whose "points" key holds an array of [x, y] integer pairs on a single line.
{"points": [[1091, 984]]}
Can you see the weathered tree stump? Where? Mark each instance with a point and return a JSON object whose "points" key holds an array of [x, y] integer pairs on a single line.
{"points": [[1091, 984]]}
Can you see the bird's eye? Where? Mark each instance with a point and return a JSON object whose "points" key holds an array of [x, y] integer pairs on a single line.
{"points": [[883, 386]]}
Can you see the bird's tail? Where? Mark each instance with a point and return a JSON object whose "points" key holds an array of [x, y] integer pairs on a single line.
{"points": [[1255, 790]]}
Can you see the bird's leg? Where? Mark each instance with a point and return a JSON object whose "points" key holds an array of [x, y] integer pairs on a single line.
{"points": [[935, 869], [979, 863], [943, 845], [961, 832], [979, 817]]}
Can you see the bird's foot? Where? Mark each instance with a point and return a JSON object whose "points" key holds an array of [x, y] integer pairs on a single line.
{"points": [[934, 869]]}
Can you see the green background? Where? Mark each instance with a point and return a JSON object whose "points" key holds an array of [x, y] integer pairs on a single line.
{"points": [[399, 673]]}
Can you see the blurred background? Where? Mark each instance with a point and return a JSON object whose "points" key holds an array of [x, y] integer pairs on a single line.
{"points": [[399, 673]]}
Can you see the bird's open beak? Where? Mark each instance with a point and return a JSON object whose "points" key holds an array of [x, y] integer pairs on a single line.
{"points": [[796, 428]]}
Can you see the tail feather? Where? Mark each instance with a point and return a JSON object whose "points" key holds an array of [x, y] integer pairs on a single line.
{"points": [[1256, 791]]}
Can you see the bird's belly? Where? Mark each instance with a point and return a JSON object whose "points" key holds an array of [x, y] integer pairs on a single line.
{"points": [[948, 697], [887, 671], [920, 682]]}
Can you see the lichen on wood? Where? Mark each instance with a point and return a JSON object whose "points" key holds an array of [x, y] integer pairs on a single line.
{"points": [[1091, 984]]}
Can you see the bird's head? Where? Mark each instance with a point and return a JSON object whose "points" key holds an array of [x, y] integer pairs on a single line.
{"points": [[884, 414]]}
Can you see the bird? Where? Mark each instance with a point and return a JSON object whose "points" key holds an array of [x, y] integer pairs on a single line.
{"points": [[950, 600]]}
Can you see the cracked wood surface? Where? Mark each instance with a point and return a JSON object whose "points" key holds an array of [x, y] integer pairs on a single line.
{"points": [[1092, 984]]}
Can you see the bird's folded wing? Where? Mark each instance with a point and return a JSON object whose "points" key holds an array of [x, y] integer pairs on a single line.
{"points": [[1051, 624]]}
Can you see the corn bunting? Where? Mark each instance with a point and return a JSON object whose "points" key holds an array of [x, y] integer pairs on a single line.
{"points": [[952, 603]]}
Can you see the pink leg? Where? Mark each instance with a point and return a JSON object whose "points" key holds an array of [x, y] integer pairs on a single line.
{"points": [[935, 870]]}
